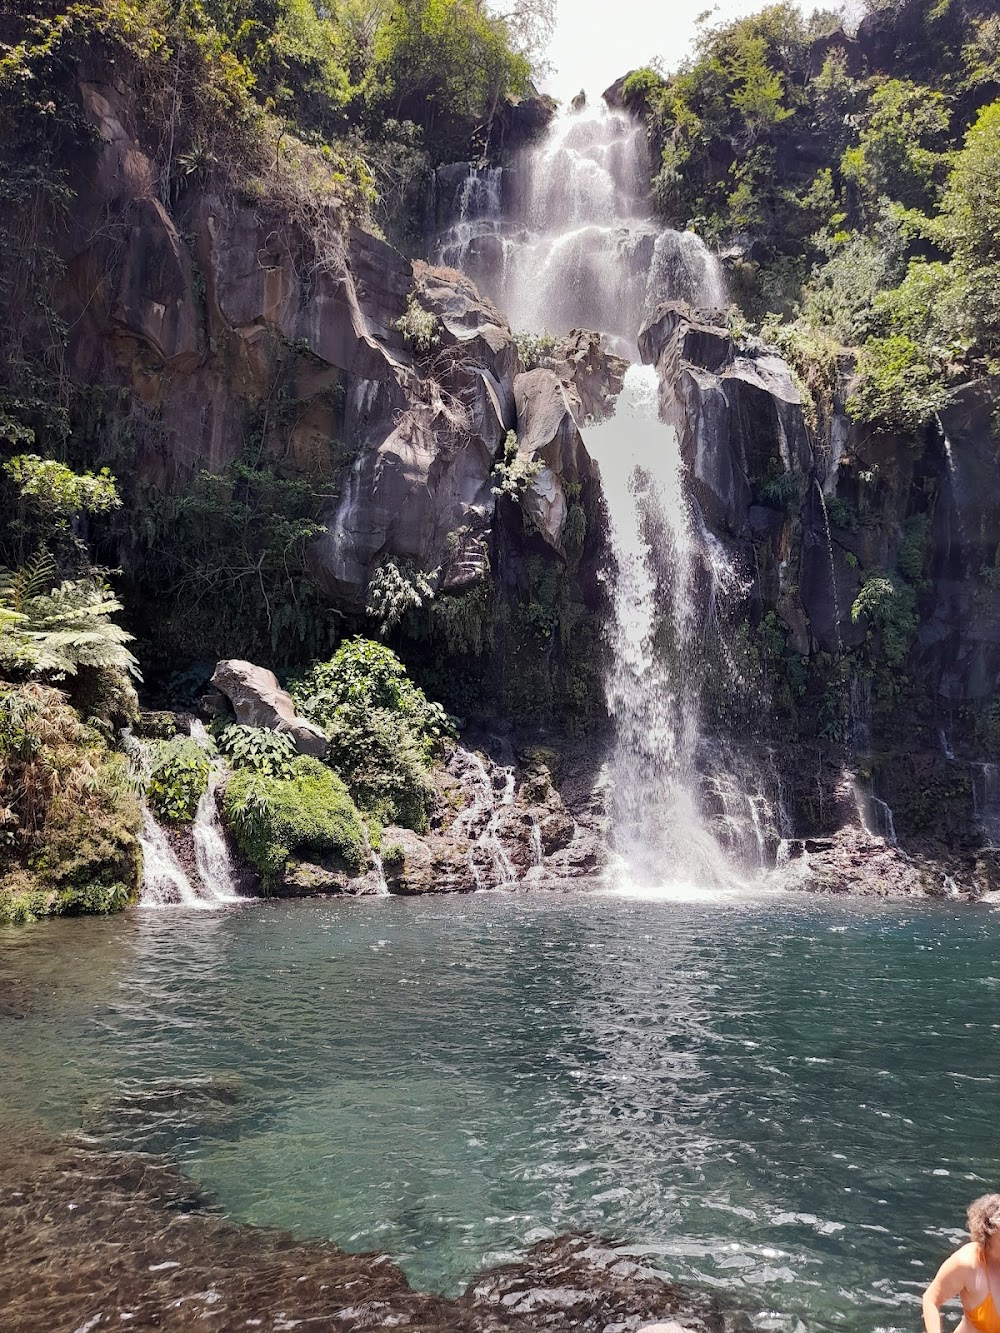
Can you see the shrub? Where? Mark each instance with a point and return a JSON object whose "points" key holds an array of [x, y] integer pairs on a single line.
{"points": [[420, 328], [69, 812], [514, 471], [309, 811], [383, 731], [534, 349], [178, 778], [394, 855], [897, 386], [890, 608], [269, 752], [394, 588], [55, 489]]}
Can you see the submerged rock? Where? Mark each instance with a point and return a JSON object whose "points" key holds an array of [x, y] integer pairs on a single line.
{"points": [[89, 1238]]}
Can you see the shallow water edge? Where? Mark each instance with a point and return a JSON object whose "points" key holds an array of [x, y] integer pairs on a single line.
{"points": [[91, 1239]]}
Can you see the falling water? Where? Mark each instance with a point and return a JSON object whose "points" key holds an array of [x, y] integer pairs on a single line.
{"points": [[488, 860], [216, 872], [578, 247], [986, 801], [164, 881], [651, 690]]}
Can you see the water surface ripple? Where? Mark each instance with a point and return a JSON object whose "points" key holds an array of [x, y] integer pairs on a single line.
{"points": [[788, 1099]]}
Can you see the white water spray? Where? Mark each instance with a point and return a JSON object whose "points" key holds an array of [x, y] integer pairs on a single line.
{"points": [[659, 831], [578, 248]]}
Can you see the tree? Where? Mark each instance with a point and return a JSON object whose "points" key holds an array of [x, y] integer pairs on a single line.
{"points": [[971, 226], [898, 154]]}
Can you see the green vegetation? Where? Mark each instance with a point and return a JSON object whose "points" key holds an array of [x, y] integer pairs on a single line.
{"points": [[383, 731], [308, 811], [178, 778], [225, 562], [534, 349], [420, 328], [395, 588], [69, 813], [513, 471], [271, 753], [872, 199]]}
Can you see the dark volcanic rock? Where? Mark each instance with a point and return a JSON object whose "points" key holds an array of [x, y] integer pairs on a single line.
{"points": [[90, 1237]]}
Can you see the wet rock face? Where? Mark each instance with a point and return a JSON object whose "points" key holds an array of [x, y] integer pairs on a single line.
{"points": [[501, 821], [549, 437], [592, 376], [212, 308], [91, 1237], [738, 414], [259, 701]]}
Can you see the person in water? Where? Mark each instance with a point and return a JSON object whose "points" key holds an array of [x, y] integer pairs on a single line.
{"points": [[972, 1274]]}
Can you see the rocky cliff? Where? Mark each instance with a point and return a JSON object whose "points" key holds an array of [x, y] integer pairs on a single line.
{"points": [[883, 762]]}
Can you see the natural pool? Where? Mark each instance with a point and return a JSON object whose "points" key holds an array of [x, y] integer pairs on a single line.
{"points": [[786, 1098]]}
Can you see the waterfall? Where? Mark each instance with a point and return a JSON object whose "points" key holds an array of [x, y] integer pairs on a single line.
{"points": [[568, 241], [481, 821], [165, 883], [216, 872], [986, 801], [651, 688], [576, 246]]}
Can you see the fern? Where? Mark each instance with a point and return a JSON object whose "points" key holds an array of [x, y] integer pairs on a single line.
{"points": [[57, 630], [394, 588]]}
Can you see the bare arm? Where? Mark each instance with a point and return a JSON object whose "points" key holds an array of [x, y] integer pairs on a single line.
{"points": [[949, 1281]]}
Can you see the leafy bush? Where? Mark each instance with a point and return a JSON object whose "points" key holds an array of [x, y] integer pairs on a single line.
{"points": [[382, 729], [69, 813], [308, 811], [394, 588], [269, 752], [228, 558], [514, 471], [178, 778], [534, 348], [421, 329], [897, 386], [971, 226], [393, 855], [898, 153], [56, 489], [890, 608]]}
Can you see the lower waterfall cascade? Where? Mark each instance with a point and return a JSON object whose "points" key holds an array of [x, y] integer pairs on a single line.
{"points": [[165, 882]]}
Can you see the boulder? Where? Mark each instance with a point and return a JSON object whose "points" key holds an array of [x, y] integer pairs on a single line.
{"points": [[259, 701], [737, 410], [593, 376]]}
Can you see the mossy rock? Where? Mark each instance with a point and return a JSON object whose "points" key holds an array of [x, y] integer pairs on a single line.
{"points": [[309, 812]]}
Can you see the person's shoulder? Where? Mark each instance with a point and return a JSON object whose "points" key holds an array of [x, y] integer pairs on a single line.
{"points": [[966, 1256]]}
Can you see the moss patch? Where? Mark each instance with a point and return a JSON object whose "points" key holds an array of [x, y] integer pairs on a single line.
{"points": [[311, 811]]}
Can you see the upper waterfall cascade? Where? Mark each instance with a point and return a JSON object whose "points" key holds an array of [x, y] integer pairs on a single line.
{"points": [[564, 239]]}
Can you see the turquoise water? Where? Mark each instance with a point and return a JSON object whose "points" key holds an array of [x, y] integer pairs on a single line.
{"points": [[785, 1098]]}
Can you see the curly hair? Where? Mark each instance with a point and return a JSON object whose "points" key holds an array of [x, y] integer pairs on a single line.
{"points": [[984, 1218]]}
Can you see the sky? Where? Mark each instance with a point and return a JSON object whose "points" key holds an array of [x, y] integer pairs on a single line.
{"points": [[595, 41]]}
